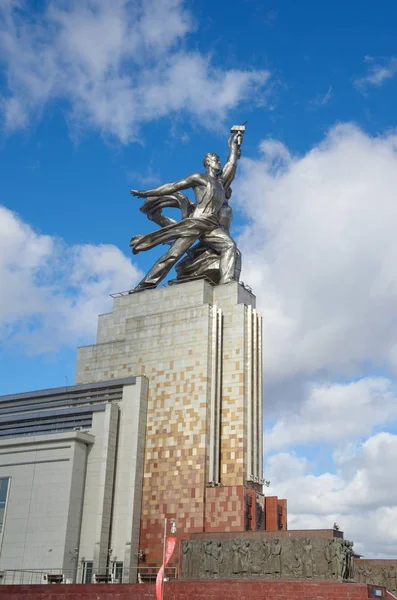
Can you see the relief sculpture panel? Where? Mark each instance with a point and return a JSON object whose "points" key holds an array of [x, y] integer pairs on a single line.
{"points": [[377, 572], [271, 558]]}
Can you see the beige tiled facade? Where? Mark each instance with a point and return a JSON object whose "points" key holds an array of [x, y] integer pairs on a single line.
{"points": [[200, 347]]}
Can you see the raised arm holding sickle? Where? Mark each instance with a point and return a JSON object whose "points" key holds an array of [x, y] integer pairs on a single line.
{"points": [[203, 223]]}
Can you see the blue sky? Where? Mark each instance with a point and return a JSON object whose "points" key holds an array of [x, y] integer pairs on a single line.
{"points": [[97, 97]]}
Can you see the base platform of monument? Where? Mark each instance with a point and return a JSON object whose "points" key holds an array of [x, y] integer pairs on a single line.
{"points": [[258, 589]]}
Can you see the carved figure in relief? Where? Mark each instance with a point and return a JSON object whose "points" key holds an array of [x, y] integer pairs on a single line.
{"points": [[338, 558], [257, 559], [187, 561], [307, 559], [275, 558], [245, 557], [391, 579], [266, 553], [333, 553], [359, 574], [197, 558], [297, 566], [236, 561], [320, 565], [368, 574], [217, 558], [328, 551], [208, 558], [347, 569]]}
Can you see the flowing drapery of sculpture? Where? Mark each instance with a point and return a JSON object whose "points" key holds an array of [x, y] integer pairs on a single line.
{"points": [[206, 222]]}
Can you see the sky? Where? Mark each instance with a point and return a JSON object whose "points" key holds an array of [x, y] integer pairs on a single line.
{"points": [[100, 96]]}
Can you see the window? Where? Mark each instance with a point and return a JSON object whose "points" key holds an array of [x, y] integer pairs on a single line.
{"points": [[4, 485], [87, 571]]}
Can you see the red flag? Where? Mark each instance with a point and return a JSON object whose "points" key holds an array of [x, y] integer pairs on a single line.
{"points": [[169, 549]]}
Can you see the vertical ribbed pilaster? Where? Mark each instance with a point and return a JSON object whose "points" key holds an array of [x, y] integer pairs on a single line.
{"points": [[255, 393], [260, 399], [248, 391], [215, 396], [218, 396]]}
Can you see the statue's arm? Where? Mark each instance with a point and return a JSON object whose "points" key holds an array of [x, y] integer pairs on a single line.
{"points": [[190, 181], [229, 170]]}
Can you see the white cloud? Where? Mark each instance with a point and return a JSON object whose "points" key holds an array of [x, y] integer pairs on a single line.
{"points": [[319, 252], [377, 73], [116, 63], [51, 292], [332, 413], [360, 496]]}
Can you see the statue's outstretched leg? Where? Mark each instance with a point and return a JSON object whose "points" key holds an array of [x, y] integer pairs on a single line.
{"points": [[165, 263]]}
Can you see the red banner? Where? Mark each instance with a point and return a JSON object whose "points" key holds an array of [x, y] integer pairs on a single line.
{"points": [[169, 549]]}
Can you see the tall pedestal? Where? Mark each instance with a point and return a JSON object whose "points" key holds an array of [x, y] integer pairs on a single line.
{"points": [[200, 347]]}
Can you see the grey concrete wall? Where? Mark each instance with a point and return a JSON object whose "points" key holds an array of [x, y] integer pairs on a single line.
{"points": [[97, 508], [129, 476], [76, 499], [47, 476], [113, 484]]}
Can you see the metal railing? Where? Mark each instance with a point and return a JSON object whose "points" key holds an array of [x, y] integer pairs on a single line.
{"points": [[106, 576]]}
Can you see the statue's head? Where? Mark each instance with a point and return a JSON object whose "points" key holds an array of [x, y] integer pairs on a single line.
{"points": [[212, 160]]}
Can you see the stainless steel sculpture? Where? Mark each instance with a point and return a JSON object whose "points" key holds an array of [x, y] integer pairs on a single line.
{"points": [[206, 221]]}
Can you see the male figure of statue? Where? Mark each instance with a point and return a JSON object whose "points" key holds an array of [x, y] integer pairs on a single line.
{"points": [[203, 223]]}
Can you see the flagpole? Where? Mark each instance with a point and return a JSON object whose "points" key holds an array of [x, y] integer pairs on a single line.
{"points": [[164, 544], [169, 543]]}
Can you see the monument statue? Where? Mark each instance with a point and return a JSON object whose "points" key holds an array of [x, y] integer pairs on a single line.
{"points": [[206, 221]]}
